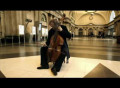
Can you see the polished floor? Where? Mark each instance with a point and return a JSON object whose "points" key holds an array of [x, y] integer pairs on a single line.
{"points": [[90, 58]]}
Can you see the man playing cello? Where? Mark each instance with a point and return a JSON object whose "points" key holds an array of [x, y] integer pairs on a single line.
{"points": [[64, 33]]}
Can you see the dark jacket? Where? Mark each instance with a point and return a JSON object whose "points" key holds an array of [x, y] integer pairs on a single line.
{"points": [[64, 34]]}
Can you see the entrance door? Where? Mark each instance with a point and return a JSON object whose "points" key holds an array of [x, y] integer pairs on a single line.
{"points": [[90, 32], [80, 32]]}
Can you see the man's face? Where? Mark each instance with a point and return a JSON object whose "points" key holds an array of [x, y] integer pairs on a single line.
{"points": [[52, 24]]}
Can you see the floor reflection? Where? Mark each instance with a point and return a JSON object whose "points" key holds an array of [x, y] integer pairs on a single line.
{"points": [[84, 47]]}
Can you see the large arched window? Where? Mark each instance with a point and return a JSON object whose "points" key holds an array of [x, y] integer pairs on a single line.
{"points": [[43, 18], [112, 16]]}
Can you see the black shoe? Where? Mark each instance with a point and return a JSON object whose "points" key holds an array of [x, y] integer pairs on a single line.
{"points": [[53, 70], [43, 67], [57, 70]]}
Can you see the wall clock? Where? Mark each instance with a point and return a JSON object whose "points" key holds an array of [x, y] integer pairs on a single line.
{"points": [[91, 17]]}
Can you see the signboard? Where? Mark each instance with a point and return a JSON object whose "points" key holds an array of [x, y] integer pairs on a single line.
{"points": [[21, 29], [44, 32], [34, 30], [40, 27]]}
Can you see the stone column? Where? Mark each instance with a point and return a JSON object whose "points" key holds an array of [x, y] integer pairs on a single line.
{"points": [[19, 20], [93, 30], [106, 31], [117, 28], [14, 24], [83, 31], [0, 27], [8, 23], [29, 15], [97, 31], [87, 31], [2, 22], [36, 23], [76, 31]]}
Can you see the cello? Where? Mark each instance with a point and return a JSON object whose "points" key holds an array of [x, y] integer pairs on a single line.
{"points": [[54, 48]]}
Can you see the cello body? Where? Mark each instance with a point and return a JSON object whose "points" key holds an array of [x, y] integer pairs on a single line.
{"points": [[54, 49]]}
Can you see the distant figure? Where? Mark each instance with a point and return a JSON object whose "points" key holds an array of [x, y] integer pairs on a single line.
{"points": [[99, 34], [72, 36], [103, 35], [90, 34]]}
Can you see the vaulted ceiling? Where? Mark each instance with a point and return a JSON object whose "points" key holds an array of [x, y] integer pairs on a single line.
{"points": [[98, 18]]}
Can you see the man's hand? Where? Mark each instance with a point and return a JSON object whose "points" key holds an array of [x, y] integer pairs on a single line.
{"points": [[59, 28], [44, 44]]}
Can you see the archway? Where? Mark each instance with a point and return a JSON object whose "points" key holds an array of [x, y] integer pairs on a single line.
{"points": [[43, 18], [90, 32], [80, 32]]}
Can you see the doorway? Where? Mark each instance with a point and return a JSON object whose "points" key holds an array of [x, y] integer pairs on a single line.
{"points": [[90, 32], [80, 32]]}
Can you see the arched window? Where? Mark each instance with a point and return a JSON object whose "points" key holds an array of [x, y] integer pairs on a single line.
{"points": [[43, 18], [112, 16], [71, 14]]}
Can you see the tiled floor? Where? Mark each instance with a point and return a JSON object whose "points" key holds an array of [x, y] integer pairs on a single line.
{"points": [[25, 67], [89, 58]]}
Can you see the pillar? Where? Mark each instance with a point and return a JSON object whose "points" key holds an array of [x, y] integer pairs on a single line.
{"points": [[76, 31], [117, 28]]}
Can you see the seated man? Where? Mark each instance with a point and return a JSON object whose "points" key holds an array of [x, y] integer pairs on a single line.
{"points": [[63, 32]]}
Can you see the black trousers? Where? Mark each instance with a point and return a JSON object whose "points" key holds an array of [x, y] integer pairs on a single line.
{"points": [[44, 59]]}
